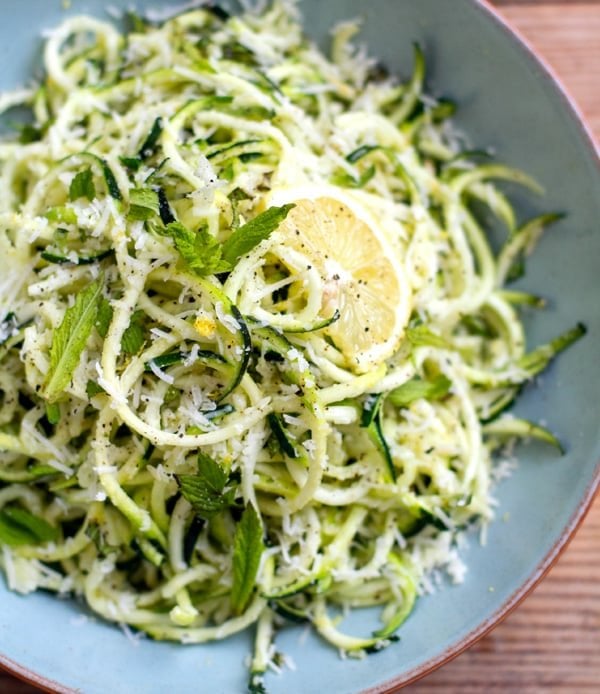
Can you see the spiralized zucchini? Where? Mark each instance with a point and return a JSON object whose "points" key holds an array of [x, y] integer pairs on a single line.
{"points": [[183, 443]]}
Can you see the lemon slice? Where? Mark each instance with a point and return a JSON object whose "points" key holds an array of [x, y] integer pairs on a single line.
{"points": [[362, 270]]}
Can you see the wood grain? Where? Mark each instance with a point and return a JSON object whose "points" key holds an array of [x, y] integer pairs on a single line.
{"points": [[551, 643], [545, 2], [568, 37]]}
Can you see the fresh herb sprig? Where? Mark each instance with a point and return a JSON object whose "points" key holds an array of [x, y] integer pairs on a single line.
{"points": [[248, 546], [204, 255], [208, 491], [70, 338]]}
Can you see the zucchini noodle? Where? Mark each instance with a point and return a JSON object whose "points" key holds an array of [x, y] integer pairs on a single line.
{"points": [[149, 402]]}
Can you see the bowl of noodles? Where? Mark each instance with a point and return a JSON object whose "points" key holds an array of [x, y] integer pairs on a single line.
{"points": [[297, 340]]}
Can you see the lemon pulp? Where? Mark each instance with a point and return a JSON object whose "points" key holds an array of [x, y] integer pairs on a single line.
{"points": [[362, 273]]}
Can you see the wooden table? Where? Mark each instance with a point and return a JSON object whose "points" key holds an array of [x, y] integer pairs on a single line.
{"points": [[552, 641]]}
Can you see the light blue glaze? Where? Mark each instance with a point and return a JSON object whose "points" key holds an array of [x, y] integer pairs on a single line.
{"points": [[508, 102]]}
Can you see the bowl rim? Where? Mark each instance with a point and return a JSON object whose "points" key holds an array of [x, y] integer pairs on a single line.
{"points": [[547, 73], [517, 597]]}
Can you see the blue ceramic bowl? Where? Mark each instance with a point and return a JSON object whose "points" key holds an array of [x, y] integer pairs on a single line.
{"points": [[508, 101]]}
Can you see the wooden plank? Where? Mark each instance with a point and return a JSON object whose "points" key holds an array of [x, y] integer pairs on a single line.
{"points": [[552, 641], [568, 38], [541, 2]]}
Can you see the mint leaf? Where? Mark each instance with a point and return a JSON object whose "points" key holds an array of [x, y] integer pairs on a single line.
{"points": [[19, 527], [248, 236], [248, 547], [144, 197], [70, 338], [204, 255], [206, 491], [104, 316], [144, 204], [133, 337], [200, 251], [417, 389], [213, 474], [82, 186]]}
